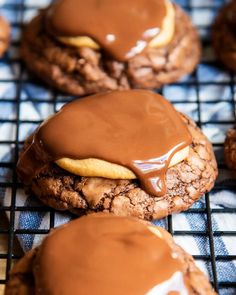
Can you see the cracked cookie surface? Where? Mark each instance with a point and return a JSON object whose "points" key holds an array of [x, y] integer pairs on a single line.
{"points": [[81, 71], [224, 36], [186, 182], [230, 148]]}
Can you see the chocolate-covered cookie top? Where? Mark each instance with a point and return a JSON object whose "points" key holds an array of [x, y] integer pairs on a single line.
{"points": [[106, 254], [122, 28], [136, 129]]}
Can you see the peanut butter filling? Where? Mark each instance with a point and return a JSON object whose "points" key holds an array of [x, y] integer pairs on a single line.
{"points": [[101, 168], [106, 254], [122, 29], [121, 134]]}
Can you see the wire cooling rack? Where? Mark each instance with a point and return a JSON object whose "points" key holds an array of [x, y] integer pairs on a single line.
{"points": [[207, 96]]}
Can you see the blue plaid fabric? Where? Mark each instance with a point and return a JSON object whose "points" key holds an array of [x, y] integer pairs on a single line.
{"points": [[208, 96]]}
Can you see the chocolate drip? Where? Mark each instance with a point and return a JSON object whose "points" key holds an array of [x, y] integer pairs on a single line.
{"points": [[104, 254], [123, 28], [137, 129]]}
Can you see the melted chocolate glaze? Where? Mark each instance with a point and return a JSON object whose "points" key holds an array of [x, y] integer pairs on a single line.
{"points": [[106, 254], [137, 129], [123, 28]]}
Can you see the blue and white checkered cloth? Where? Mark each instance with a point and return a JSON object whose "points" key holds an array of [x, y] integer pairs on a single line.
{"points": [[209, 88]]}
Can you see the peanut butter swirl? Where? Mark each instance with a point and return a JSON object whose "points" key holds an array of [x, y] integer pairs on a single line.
{"points": [[137, 129], [123, 28], [106, 254]]}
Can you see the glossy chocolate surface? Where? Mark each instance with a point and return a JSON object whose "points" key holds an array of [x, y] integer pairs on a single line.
{"points": [[122, 28], [106, 254], [137, 129]]}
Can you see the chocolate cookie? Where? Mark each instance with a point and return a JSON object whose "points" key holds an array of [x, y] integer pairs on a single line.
{"points": [[230, 148], [4, 35], [127, 249], [224, 35], [65, 185], [186, 183], [85, 70]]}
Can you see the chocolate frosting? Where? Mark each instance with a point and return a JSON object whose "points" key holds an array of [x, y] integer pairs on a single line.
{"points": [[106, 254], [137, 129], [123, 28]]}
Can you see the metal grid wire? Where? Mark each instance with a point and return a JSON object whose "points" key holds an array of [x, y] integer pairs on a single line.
{"points": [[19, 83]]}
